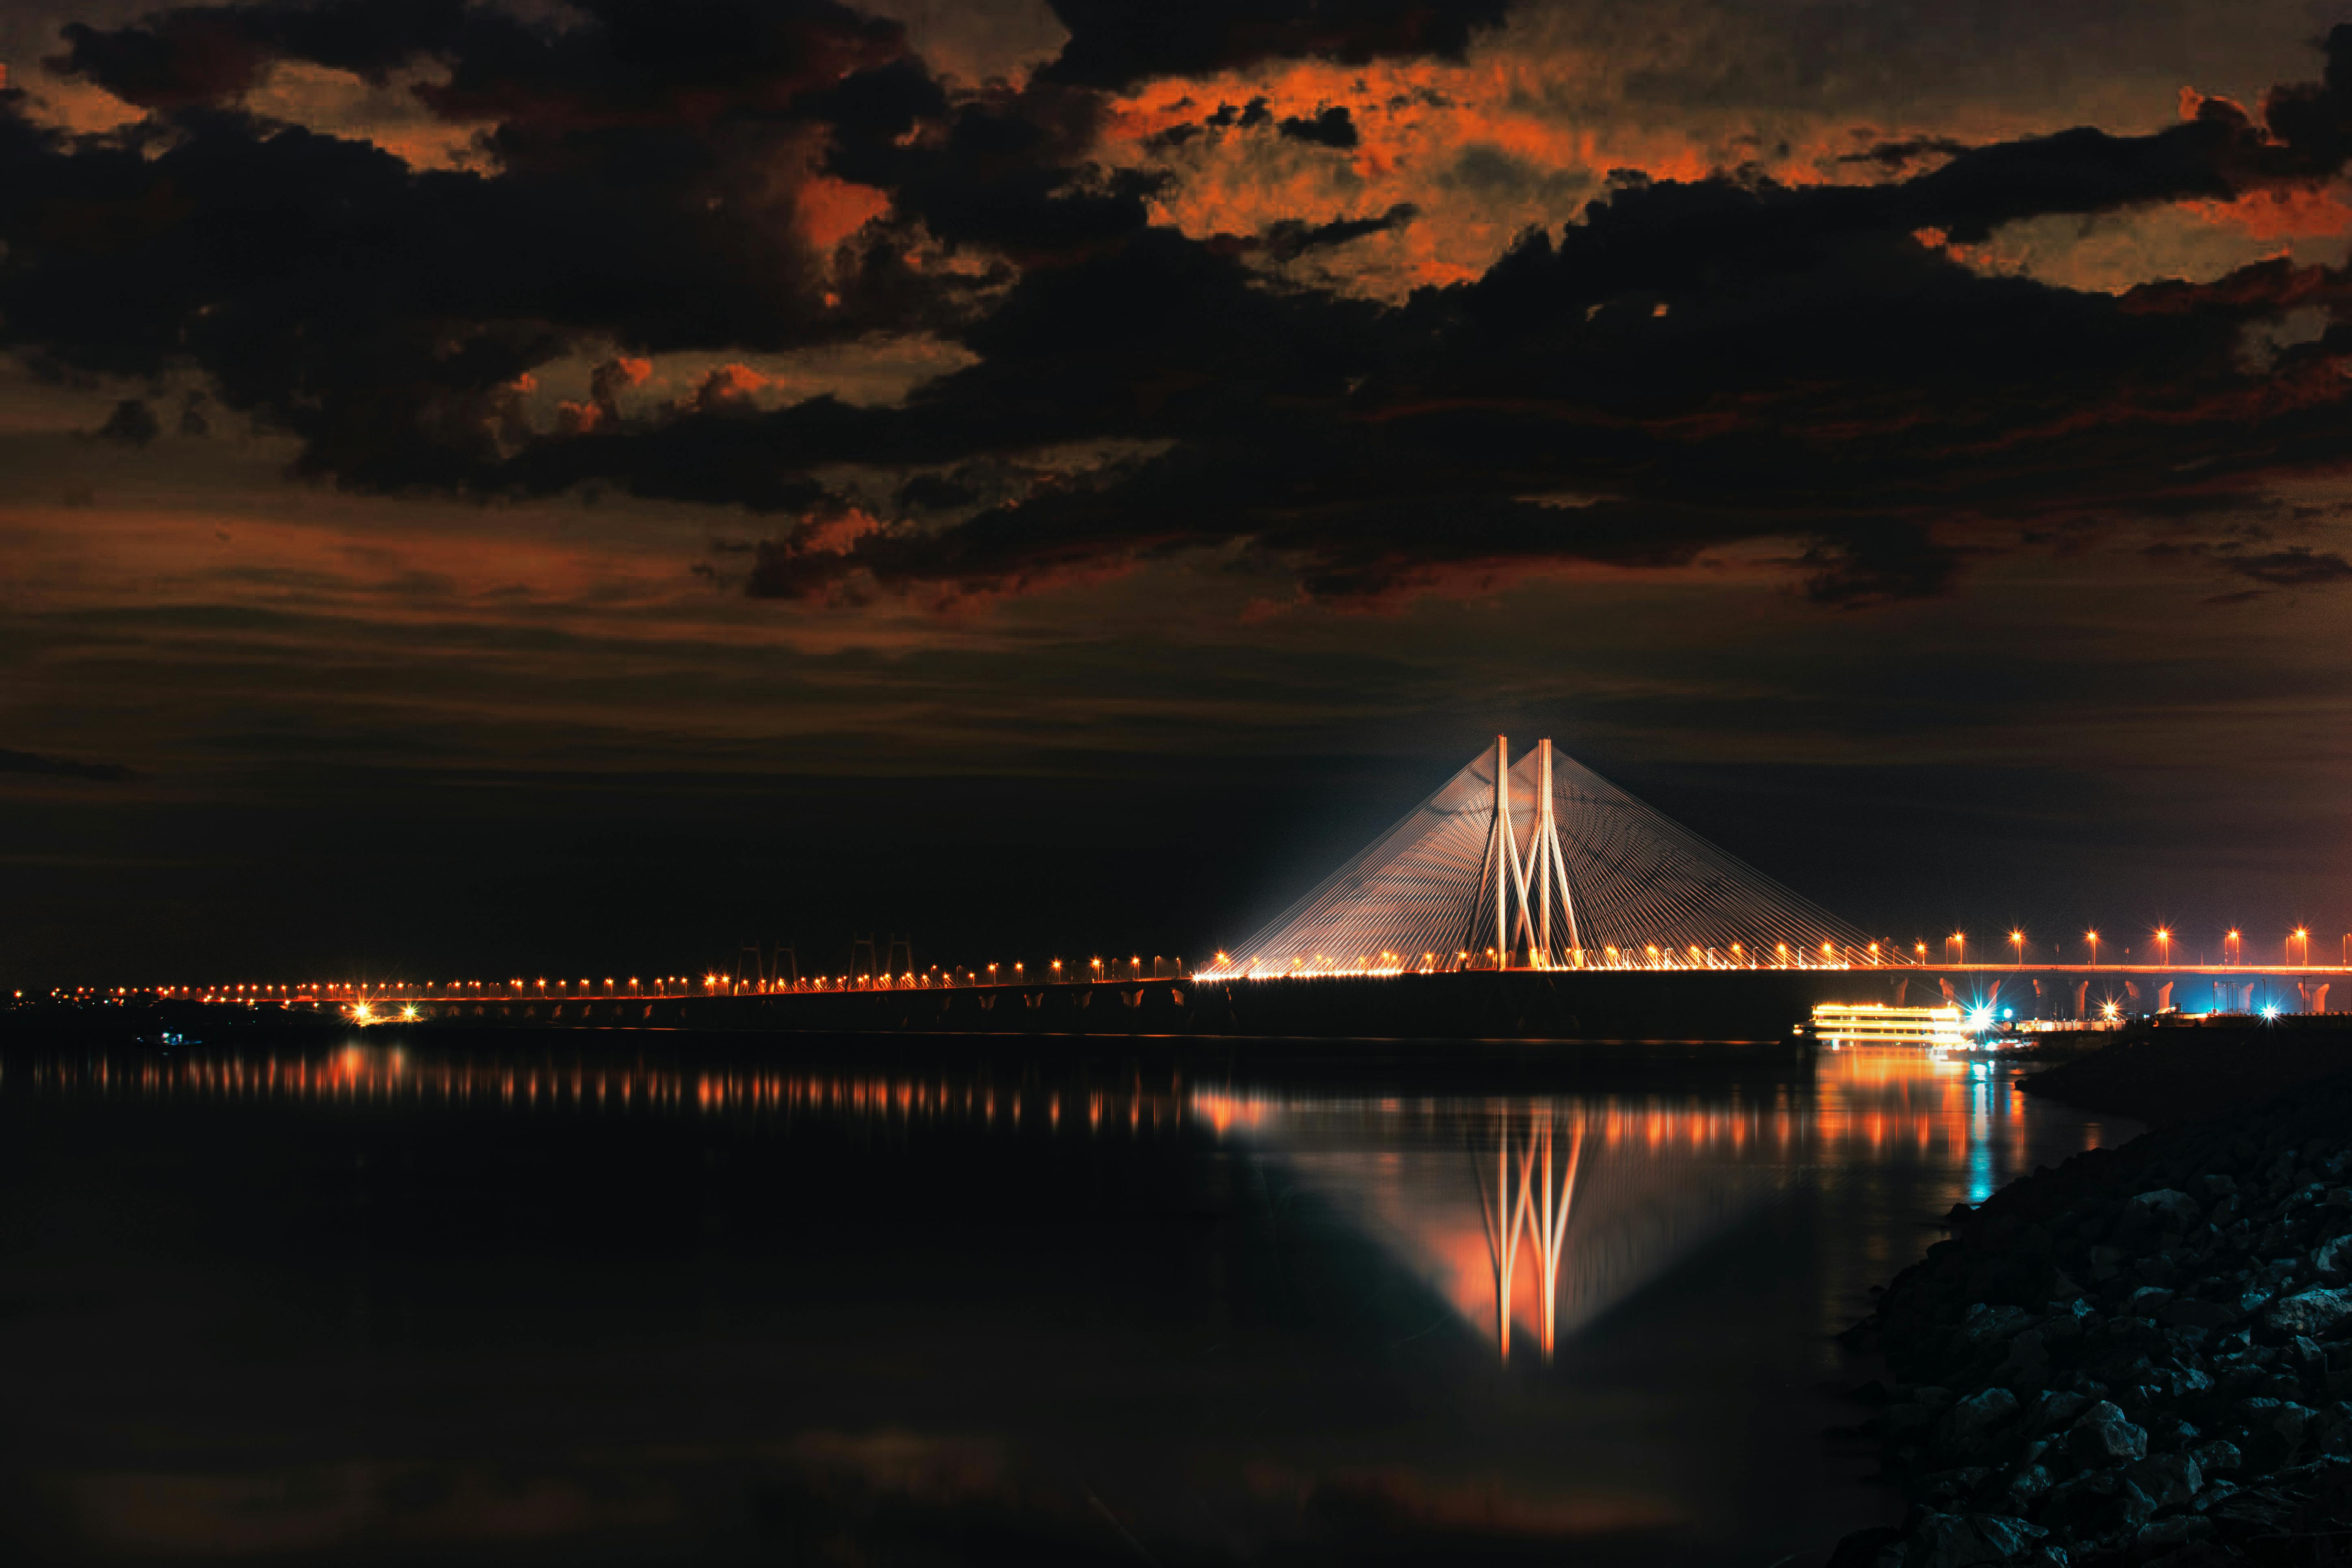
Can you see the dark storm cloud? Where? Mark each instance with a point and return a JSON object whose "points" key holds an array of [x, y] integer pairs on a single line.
{"points": [[1290, 238], [132, 423], [1690, 365], [649, 159], [1332, 127], [1117, 43], [64, 768], [1895, 156], [2296, 568]]}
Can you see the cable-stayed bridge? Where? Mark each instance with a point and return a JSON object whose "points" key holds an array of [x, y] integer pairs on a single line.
{"points": [[1519, 900]]}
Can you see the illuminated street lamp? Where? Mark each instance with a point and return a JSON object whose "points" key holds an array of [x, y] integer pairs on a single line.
{"points": [[2017, 943], [2301, 947], [2234, 949], [2093, 938], [1956, 947], [2164, 946]]}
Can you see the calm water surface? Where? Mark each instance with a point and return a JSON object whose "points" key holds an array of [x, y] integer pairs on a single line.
{"points": [[579, 1303]]}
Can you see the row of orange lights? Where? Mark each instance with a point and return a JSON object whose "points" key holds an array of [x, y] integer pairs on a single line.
{"points": [[669, 984], [2233, 945], [1956, 949]]}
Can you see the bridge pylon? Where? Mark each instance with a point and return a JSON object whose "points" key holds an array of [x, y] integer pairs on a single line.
{"points": [[1539, 876], [1541, 864]]}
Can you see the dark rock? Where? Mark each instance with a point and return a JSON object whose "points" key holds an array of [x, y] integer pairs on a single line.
{"points": [[2027, 1365], [2026, 1485], [1985, 1324], [2216, 1455], [2189, 1313], [2101, 1437], [2163, 1534], [2098, 1502], [2055, 1410], [1967, 1539], [1965, 1430], [2269, 1430], [2149, 1215], [2168, 1480], [2147, 1301]]}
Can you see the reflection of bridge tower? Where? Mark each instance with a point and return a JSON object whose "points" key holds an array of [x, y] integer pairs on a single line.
{"points": [[1541, 1221]]}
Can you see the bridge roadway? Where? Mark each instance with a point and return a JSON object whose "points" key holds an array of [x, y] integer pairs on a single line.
{"points": [[1728, 1005]]}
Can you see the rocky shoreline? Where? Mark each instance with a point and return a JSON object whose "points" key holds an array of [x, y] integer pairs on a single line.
{"points": [[2143, 1355]]}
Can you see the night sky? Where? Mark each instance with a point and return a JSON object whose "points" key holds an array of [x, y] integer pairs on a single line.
{"points": [[538, 488]]}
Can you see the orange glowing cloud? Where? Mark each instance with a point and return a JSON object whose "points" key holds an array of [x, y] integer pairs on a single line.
{"points": [[831, 210], [2282, 212]]}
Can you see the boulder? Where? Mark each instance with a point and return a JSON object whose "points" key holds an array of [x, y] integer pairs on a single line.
{"points": [[2216, 1456], [2027, 1365], [2268, 1430], [1968, 1540], [2331, 1430], [2163, 1534], [2168, 1480], [1965, 1430], [2150, 1215], [2099, 1502], [2332, 1260], [2102, 1436], [2314, 1312], [2055, 1411], [2026, 1484], [1985, 1324], [2190, 1313]]}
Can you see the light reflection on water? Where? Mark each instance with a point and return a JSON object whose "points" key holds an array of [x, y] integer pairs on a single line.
{"points": [[1445, 1323]]}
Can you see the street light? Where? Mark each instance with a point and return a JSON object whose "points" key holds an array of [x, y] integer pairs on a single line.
{"points": [[1957, 943], [2303, 945], [2093, 938], [2017, 942], [2233, 949], [2164, 946]]}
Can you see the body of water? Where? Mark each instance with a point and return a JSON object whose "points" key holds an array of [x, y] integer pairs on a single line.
{"points": [[570, 1299]]}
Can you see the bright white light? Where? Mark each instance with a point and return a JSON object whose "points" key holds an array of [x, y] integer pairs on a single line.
{"points": [[1981, 1018], [2270, 1012]]}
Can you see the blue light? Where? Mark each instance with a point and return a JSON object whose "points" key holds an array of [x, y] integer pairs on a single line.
{"points": [[2009, 1012], [1981, 1018]]}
